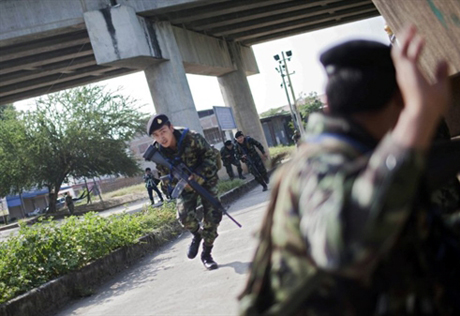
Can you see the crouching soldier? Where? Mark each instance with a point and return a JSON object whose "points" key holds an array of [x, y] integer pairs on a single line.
{"points": [[180, 145], [229, 158]]}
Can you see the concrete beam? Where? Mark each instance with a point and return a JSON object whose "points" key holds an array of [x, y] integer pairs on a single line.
{"points": [[305, 14], [279, 8], [203, 55], [309, 28], [300, 23], [39, 60], [65, 85], [119, 37], [59, 77], [29, 18], [44, 45], [224, 8], [46, 70]]}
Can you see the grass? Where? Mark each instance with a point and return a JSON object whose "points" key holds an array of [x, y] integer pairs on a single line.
{"points": [[134, 189], [226, 185]]}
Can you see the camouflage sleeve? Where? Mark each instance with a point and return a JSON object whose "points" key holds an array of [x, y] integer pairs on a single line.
{"points": [[208, 166], [238, 153], [254, 142], [353, 211], [162, 169]]}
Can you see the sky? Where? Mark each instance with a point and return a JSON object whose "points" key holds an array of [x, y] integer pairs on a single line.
{"points": [[308, 74]]}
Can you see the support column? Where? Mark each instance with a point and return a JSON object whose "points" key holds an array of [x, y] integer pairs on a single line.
{"points": [[168, 83], [237, 94]]}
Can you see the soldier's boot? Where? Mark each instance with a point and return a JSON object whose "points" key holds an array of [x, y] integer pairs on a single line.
{"points": [[207, 259], [194, 246], [241, 176]]}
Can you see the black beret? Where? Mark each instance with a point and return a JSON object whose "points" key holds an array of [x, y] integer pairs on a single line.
{"points": [[156, 122], [358, 54], [228, 142], [238, 134]]}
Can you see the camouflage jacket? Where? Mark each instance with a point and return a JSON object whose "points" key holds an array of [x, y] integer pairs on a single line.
{"points": [[348, 232], [228, 155], [249, 148], [195, 152]]}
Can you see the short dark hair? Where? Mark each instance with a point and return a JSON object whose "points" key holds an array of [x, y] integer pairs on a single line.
{"points": [[228, 142], [361, 77], [148, 169]]}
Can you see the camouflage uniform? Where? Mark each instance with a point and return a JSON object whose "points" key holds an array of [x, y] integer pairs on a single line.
{"points": [[249, 148], [349, 233], [229, 159], [200, 158]]}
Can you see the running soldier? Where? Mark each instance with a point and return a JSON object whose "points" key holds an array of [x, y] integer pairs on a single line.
{"points": [[247, 153], [228, 155], [151, 185], [180, 145]]}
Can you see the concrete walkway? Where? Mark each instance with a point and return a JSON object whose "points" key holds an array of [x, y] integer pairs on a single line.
{"points": [[168, 283]]}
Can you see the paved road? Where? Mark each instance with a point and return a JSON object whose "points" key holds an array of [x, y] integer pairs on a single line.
{"points": [[167, 283]]}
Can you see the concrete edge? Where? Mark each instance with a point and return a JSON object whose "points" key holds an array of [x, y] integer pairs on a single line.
{"points": [[55, 294]]}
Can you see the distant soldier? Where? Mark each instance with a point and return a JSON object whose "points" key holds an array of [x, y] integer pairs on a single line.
{"points": [[151, 185], [69, 203], [296, 138], [180, 145], [247, 153], [228, 155]]}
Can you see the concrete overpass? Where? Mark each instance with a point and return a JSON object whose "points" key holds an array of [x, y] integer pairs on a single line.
{"points": [[51, 45]]}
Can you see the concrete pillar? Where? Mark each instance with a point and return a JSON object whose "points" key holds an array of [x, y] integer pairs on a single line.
{"points": [[237, 94], [168, 83]]}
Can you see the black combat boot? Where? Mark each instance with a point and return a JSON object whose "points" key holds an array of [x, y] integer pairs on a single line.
{"points": [[242, 177], [207, 259], [194, 246]]}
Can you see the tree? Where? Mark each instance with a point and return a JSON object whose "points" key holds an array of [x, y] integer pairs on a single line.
{"points": [[82, 132], [15, 167], [308, 104], [274, 111]]}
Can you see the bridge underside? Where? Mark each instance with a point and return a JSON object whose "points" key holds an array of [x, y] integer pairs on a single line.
{"points": [[33, 65]]}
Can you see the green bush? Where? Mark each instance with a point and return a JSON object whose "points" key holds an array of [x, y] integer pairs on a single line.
{"points": [[275, 151], [46, 250]]}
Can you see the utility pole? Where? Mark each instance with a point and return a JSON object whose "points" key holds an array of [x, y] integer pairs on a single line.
{"points": [[284, 72]]}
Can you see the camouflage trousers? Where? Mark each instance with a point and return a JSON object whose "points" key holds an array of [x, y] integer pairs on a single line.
{"points": [[186, 214], [258, 170]]}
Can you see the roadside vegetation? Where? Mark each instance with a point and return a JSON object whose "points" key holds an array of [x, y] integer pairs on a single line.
{"points": [[48, 250]]}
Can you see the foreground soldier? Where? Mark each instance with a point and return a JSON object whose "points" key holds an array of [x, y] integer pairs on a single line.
{"points": [[179, 145], [228, 155], [247, 153], [347, 231]]}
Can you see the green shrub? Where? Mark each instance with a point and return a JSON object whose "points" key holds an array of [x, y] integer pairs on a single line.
{"points": [[46, 250], [275, 151]]}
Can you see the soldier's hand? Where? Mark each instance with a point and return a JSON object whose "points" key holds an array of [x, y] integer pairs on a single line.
{"points": [[418, 93], [424, 102]]}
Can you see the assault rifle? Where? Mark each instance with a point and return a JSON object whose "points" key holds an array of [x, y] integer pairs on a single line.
{"points": [[248, 161], [182, 173]]}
